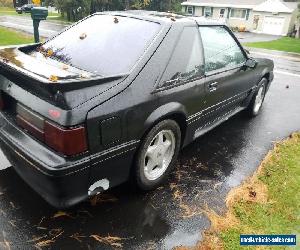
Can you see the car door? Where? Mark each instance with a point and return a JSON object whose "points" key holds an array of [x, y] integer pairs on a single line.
{"points": [[183, 80], [227, 80]]}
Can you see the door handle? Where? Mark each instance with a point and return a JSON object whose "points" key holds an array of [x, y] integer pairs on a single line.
{"points": [[213, 86]]}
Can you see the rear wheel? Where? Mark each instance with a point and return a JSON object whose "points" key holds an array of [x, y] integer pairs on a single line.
{"points": [[257, 99], [157, 155]]}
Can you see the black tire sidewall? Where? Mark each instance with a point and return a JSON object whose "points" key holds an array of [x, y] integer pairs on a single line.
{"points": [[142, 182]]}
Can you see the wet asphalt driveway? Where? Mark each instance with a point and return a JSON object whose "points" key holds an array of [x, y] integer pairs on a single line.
{"points": [[173, 214]]}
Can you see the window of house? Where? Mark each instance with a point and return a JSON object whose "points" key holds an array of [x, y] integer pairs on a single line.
{"points": [[207, 11], [187, 61], [221, 51], [222, 13], [238, 13], [190, 10]]}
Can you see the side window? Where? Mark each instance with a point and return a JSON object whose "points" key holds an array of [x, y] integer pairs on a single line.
{"points": [[186, 62], [220, 49]]}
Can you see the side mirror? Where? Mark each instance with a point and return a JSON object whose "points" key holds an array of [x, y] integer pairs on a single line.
{"points": [[250, 63]]}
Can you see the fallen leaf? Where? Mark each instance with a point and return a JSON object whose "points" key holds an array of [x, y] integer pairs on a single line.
{"points": [[53, 78], [61, 214], [108, 240], [65, 67], [83, 36], [77, 237], [84, 75], [252, 194], [11, 222], [49, 52], [116, 20], [44, 243], [37, 238], [102, 198]]}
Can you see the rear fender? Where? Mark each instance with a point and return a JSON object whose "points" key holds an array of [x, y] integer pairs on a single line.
{"points": [[163, 112]]}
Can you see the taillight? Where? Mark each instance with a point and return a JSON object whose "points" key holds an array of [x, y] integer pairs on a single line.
{"points": [[68, 141]]}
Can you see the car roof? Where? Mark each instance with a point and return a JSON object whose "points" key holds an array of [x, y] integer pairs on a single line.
{"points": [[164, 17]]}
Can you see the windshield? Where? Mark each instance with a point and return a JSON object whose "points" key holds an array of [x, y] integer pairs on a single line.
{"points": [[102, 44]]}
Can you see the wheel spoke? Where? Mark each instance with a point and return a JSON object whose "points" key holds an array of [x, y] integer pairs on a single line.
{"points": [[160, 138], [150, 165], [150, 151], [166, 145]]}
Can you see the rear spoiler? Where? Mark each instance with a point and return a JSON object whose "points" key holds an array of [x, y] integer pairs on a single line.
{"points": [[43, 87]]}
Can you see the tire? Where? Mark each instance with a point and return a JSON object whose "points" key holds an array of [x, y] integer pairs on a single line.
{"points": [[157, 155], [257, 100]]}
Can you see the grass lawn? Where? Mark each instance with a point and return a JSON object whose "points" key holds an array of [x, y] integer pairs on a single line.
{"points": [[11, 37], [267, 203], [287, 44]]}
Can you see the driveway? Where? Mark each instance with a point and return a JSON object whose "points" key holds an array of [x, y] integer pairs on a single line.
{"points": [[249, 37], [24, 23]]}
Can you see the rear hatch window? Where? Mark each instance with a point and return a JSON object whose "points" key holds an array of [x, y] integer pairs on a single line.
{"points": [[103, 45]]}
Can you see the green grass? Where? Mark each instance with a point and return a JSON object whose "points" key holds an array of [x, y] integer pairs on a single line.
{"points": [[11, 37], [281, 214], [287, 44], [4, 11]]}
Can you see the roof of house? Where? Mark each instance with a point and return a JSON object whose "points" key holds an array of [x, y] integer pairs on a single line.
{"points": [[276, 6], [257, 5]]}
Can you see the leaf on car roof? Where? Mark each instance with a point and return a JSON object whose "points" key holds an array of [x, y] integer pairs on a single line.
{"points": [[65, 67], [49, 52], [116, 20], [83, 36]]}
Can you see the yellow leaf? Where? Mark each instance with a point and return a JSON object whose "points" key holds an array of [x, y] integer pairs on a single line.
{"points": [[60, 214], [49, 52], [53, 78]]}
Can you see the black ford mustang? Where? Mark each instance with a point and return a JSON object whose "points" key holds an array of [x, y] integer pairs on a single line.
{"points": [[116, 96]]}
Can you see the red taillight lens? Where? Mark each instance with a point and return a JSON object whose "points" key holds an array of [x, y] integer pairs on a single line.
{"points": [[67, 141]]}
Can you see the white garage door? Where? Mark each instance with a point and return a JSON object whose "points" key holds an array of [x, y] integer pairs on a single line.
{"points": [[273, 25]]}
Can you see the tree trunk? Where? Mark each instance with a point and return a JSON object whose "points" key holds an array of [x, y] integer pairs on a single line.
{"points": [[127, 5]]}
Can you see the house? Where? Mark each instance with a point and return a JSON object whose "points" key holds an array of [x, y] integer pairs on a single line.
{"points": [[273, 17]]}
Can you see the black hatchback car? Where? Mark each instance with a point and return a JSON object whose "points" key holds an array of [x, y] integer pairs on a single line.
{"points": [[116, 96], [26, 8]]}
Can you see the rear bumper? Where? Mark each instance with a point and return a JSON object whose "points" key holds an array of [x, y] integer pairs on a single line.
{"points": [[61, 182]]}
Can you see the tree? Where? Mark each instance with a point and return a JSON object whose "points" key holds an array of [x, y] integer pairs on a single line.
{"points": [[298, 17], [78, 9]]}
